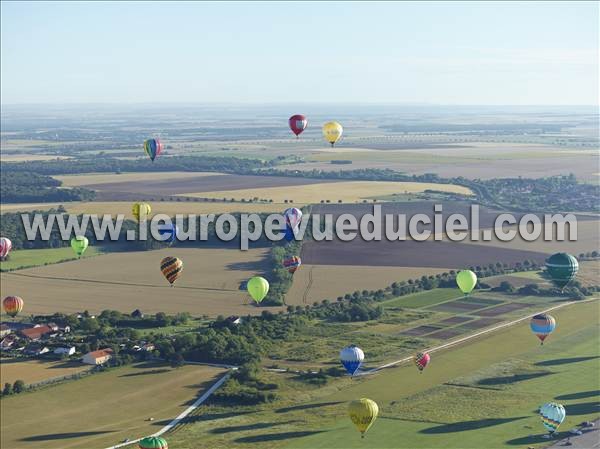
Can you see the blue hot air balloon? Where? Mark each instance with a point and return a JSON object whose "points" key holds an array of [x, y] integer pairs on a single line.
{"points": [[352, 357]]}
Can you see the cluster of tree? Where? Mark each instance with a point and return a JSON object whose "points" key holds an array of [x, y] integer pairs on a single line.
{"points": [[574, 291], [245, 387], [280, 279], [17, 387], [345, 310], [29, 186]]}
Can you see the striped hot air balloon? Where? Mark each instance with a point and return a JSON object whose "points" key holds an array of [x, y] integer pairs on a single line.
{"points": [[171, 268], [562, 268], [421, 360], [552, 415], [153, 148], [153, 443], [292, 263], [542, 325], [5, 247], [12, 305]]}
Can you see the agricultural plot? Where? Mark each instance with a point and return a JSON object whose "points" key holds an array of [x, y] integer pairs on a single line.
{"points": [[25, 258], [210, 284], [34, 371], [102, 409]]}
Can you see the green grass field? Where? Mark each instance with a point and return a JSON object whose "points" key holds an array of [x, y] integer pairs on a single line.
{"points": [[26, 258], [481, 394], [424, 299]]}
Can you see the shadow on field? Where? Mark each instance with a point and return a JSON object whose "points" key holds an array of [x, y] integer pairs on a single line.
{"points": [[151, 364], [255, 265], [62, 436], [276, 436], [583, 408], [306, 406], [554, 362], [536, 439], [146, 373], [202, 417], [502, 380], [469, 425], [261, 425], [66, 364], [580, 395]]}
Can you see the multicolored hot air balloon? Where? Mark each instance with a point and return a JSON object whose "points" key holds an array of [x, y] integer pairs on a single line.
{"points": [[153, 443], [5, 247], [298, 123], [292, 263], [352, 357], [363, 413], [258, 287], [542, 325], [552, 415], [169, 231], [466, 281], [12, 305], [332, 132], [153, 148], [141, 211], [293, 218], [421, 360], [562, 268], [171, 268], [79, 244]]}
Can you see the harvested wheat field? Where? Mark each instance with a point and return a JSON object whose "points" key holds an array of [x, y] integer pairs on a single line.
{"points": [[33, 371], [210, 284]]}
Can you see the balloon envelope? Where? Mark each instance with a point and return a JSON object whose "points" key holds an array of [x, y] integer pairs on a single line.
{"points": [[258, 287], [293, 217], [12, 305], [352, 357], [466, 281], [298, 123], [363, 413], [552, 415], [542, 325], [171, 268], [153, 443], [5, 247], [141, 210], [332, 132], [153, 148], [421, 360], [169, 231], [79, 244], [562, 268], [292, 263]]}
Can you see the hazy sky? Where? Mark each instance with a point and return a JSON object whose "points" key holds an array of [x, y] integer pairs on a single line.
{"points": [[450, 53]]}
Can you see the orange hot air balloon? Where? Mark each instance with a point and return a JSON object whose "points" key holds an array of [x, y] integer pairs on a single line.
{"points": [[12, 305]]}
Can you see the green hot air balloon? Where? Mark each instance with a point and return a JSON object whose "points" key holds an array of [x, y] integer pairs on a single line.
{"points": [[258, 287], [79, 243], [153, 443], [562, 268], [466, 281]]}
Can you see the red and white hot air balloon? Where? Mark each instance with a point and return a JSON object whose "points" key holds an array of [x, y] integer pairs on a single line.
{"points": [[5, 247], [298, 123]]}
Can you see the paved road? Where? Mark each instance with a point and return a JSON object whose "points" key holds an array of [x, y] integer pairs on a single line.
{"points": [[589, 440]]}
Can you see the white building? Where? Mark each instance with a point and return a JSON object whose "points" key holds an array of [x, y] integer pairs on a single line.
{"points": [[70, 350]]}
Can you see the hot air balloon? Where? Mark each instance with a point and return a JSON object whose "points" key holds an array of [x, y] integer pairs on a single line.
{"points": [[169, 231], [421, 360], [5, 247], [12, 305], [141, 210], [293, 217], [542, 325], [562, 268], [292, 263], [332, 131], [298, 123], [552, 415], [79, 243], [153, 148], [363, 413], [466, 281], [153, 443], [352, 357], [258, 287], [171, 268]]}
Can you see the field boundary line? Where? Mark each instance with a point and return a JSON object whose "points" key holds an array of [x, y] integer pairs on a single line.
{"points": [[177, 420], [470, 337]]}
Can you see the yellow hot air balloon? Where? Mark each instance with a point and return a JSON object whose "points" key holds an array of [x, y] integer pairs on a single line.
{"points": [[141, 210], [363, 413], [332, 132]]}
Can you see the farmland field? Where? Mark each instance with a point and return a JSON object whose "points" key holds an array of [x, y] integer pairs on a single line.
{"points": [[104, 408], [210, 283], [32, 371], [481, 394], [24, 258], [111, 178], [346, 192]]}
